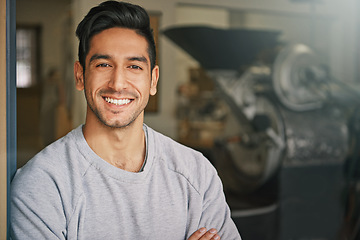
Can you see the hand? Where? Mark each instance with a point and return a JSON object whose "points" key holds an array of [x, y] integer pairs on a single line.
{"points": [[202, 234]]}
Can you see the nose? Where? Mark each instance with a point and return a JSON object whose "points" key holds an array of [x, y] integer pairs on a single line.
{"points": [[118, 80]]}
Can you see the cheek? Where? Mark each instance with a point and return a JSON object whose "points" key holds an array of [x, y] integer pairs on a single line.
{"points": [[90, 89], [93, 82], [140, 84]]}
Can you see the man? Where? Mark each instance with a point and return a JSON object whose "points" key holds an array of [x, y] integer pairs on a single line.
{"points": [[114, 177]]}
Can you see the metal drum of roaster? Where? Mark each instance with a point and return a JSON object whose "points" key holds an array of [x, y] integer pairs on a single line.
{"points": [[252, 153], [272, 134]]}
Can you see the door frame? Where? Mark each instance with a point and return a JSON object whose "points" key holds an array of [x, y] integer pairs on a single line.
{"points": [[7, 109]]}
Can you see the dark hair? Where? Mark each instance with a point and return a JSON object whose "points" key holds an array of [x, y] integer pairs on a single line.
{"points": [[111, 14]]}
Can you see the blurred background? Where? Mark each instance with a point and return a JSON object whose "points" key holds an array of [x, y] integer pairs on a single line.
{"points": [[267, 90]]}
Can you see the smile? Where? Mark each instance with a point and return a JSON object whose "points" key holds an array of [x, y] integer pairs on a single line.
{"points": [[117, 101]]}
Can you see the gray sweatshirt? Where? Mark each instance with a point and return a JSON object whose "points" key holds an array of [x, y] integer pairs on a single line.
{"points": [[68, 192]]}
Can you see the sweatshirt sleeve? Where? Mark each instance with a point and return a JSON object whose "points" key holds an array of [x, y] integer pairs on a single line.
{"points": [[36, 206], [215, 210]]}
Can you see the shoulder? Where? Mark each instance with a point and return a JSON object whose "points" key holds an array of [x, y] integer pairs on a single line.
{"points": [[177, 154], [56, 164], [185, 161], [47, 190]]}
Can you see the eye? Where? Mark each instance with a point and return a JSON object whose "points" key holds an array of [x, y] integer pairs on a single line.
{"points": [[103, 65], [135, 67]]}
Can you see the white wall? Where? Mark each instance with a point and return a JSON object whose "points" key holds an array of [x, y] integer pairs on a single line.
{"points": [[341, 44]]}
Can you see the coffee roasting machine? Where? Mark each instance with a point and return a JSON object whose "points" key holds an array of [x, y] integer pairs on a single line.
{"points": [[291, 167]]}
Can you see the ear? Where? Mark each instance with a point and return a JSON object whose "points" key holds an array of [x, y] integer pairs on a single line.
{"points": [[154, 80], [79, 76]]}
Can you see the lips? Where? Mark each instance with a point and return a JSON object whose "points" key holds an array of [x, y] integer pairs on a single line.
{"points": [[117, 102]]}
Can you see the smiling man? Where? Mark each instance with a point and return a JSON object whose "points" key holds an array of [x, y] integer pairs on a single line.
{"points": [[114, 177], [117, 78]]}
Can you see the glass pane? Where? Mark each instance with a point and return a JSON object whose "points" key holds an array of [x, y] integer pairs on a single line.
{"points": [[25, 57]]}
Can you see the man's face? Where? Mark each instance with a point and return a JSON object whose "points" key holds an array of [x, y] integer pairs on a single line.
{"points": [[118, 79]]}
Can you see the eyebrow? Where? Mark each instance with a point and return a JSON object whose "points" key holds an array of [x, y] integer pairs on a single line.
{"points": [[139, 59], [98, 56]]}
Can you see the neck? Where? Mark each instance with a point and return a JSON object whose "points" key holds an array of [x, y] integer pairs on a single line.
{"points": [[124, 148]]}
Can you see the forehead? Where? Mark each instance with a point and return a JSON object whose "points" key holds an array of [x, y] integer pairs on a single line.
{"points": [[118, 41]]}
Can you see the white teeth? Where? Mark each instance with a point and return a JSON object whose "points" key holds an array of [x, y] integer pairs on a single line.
{"points": [[117, 101]]}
